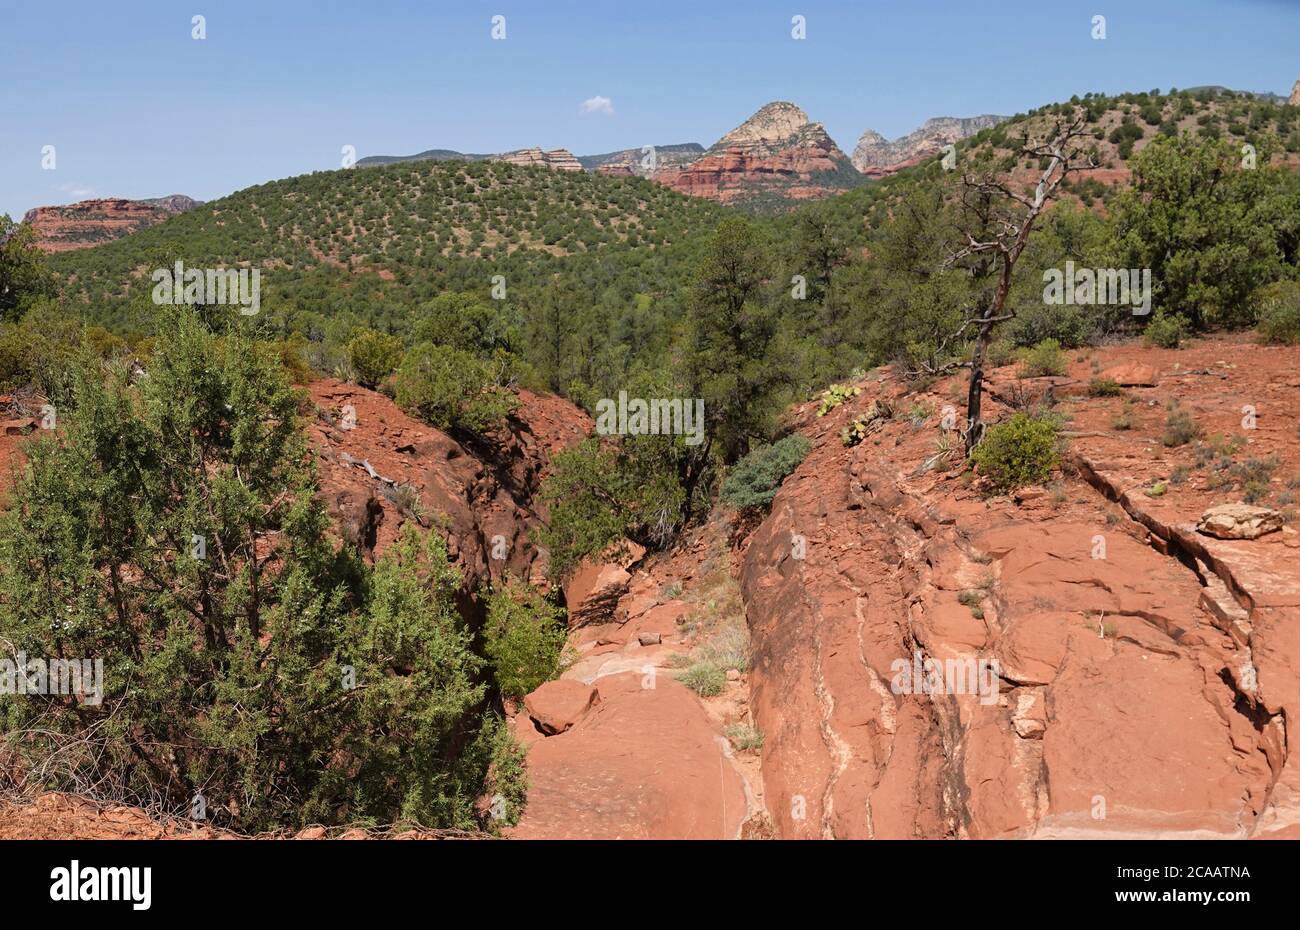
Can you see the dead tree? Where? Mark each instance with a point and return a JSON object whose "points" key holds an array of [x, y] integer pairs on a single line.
{"points": [[999, 220]]}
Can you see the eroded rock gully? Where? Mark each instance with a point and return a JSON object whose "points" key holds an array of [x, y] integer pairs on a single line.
{"points": [[639, 754], [379, 467]]}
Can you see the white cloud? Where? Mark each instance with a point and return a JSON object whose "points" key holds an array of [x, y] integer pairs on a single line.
{"points": [[597, 105], [80, 191]]}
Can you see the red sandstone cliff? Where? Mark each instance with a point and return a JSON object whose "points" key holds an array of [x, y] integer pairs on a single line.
{"points": [[93, 222]]}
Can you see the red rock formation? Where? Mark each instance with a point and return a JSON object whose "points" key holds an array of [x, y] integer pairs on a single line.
{"points": [[93, 222], [1148, 673], [483, 496], [733, 176]]}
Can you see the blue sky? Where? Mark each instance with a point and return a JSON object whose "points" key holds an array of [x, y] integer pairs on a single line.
{"points": [[137, 108]]}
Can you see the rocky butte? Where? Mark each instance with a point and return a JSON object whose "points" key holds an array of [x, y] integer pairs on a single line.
{"points": [[559, 159], [775, 155]]}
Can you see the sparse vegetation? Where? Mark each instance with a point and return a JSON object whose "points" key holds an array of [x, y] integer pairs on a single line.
{"points": [[1180, 428], [834, 396], [1254, 476], [974, 601], [745, 737]]}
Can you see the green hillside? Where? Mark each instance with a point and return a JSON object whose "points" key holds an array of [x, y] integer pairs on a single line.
{"points": [[1121, 125], [386, 238]]}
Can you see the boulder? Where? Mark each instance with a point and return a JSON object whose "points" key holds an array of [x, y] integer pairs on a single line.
{"points": [[1130, 374], [558, 705], [1239, 521], [593, 591]]}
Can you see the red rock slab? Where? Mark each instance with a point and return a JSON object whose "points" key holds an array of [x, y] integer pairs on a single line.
{"points": [[643, 764], [1127, 737]]}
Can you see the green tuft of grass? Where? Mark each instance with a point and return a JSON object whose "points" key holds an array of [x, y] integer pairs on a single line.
{"points": [[704, 678]]}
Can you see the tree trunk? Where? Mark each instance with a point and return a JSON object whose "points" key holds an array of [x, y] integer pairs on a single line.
{"points": [[975, 393]]}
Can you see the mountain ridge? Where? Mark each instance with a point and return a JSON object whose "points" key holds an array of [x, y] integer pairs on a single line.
{"points": [[876, 156]]}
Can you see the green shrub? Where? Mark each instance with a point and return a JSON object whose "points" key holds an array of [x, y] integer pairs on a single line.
{"points": [[1044, 360], [374, 356], [293, 358], [1279, 313], [1069, 325], [754, 480], [704, 678], [1255, 476], [974, 602], [1000, 352], [1104, 387], [1167, 331], [16, 357], [281, 677], [598, 493], [523, 638], [450, 388], [1023, 450]]}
